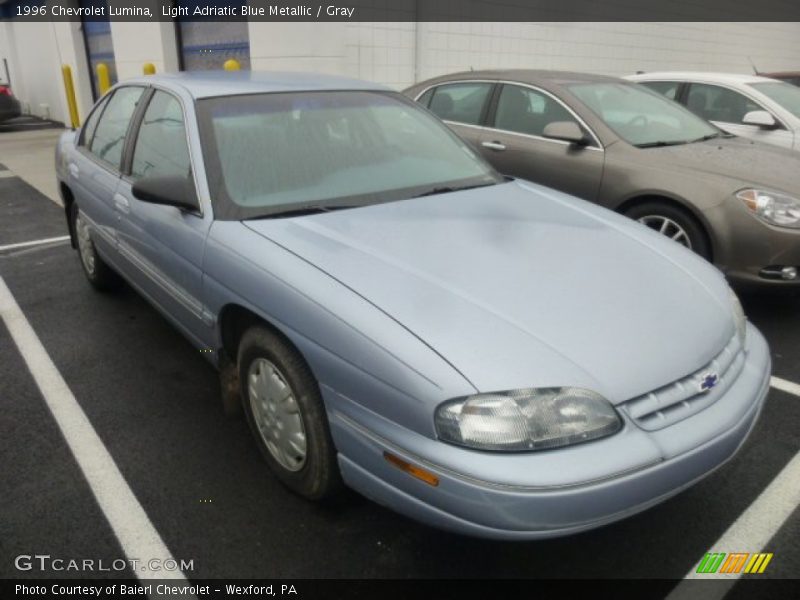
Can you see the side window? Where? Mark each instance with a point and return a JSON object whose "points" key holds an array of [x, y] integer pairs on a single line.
{"points": [[715, 103], [161, 148], [524, 110], [425, 99], [87, 133], [665, 88], [460, 102], [109, 135]]}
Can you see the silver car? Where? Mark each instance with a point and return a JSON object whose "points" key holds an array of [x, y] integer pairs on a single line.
{"points": [[488, 356], [762, 109]]}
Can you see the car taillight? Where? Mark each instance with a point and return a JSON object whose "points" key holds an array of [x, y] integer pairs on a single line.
{"points": [[4, 91]]}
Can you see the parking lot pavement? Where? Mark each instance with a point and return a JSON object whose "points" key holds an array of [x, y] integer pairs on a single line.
{"points": [[154, 403], [27, 151]]}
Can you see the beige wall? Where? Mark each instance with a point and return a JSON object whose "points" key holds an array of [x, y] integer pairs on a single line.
{"points": [[398, 54]]}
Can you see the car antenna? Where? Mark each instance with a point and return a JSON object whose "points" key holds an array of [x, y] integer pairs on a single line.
{"points": [[752, 64]]}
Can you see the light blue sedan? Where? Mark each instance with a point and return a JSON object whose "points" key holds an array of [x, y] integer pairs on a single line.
{"points": [[485, 355]]}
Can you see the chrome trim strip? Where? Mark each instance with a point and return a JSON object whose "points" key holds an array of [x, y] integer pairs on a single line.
{"points": [[599, 146], [374, 437], [93, 225], [180, 295]]}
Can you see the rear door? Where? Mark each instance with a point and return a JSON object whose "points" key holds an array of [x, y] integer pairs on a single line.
{"points": [[462, 105], [163, 245], [94, 169], [726, 107], [514, 143]]}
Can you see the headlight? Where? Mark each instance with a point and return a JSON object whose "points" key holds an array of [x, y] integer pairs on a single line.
{"points": [[739, 317], [772, 207], [531, 419]]}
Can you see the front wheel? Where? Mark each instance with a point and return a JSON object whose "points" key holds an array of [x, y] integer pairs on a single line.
{"points": [[674, 223], [99, 274], [284, 408]]}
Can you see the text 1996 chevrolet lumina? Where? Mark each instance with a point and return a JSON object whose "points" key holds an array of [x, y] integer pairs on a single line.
{"points": [[485, 355]]}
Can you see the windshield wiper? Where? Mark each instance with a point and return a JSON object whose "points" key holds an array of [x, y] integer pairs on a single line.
{"points": [[661, 144], [444, 189], [710, 136], [299, 211]]}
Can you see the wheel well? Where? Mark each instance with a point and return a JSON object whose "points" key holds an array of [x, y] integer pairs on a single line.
{"points": [[689, 212], [234, 320], [69, 200]]}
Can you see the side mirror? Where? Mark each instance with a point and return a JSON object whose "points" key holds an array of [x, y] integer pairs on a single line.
{"points": [[566, 131], [170, 191], [759, 118]]}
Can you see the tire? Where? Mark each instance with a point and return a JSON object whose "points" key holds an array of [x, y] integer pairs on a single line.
{"points": [[99, 274], [675, 223], [283, 405]]}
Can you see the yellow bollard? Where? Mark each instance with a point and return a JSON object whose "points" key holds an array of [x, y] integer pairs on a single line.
{"points": [[103, 80], [72, 103], [149, 69], [231, 65]]}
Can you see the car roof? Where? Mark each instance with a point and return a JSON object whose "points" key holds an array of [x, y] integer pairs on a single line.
{"points": [[531, 76], [207, 84], [731, 78]]}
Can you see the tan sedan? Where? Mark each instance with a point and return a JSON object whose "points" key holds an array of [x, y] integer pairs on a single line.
{"points": [[734, 201]]}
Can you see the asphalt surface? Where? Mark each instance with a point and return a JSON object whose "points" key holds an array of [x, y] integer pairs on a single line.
{"points": [[154, 402]]}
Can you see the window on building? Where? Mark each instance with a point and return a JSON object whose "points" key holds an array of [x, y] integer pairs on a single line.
{"points": [[206, 43], [99, 47]]}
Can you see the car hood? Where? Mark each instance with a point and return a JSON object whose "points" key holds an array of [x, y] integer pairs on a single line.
{"points": [[747, 161], [517, 285]]}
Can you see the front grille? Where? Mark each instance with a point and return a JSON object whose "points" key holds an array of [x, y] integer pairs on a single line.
{"points": [[683, 398]]}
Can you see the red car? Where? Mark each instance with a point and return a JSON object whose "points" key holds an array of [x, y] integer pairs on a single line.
{"points": [[9, 105]]}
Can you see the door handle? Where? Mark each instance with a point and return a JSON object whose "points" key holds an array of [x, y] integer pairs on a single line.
{"points": [[121, 203], [74, 170], [494, 146]]}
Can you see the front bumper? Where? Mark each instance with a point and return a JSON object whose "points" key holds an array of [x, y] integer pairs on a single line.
{"points": [[744, 246], [471, 501]]}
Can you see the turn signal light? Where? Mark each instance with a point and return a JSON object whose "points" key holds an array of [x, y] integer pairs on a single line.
{"points": [[412, 470]]}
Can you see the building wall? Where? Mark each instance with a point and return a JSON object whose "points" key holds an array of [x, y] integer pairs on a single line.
{"points": [[609, 48], [398, 54]]}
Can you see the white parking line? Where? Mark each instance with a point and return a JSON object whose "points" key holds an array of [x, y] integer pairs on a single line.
{"points": [[751, 532], [6, 174], [785, 386], [53, 240], [137, 536]]}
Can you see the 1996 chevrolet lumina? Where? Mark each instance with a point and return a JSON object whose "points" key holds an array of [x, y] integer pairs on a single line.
{"points": [[484, 355]]}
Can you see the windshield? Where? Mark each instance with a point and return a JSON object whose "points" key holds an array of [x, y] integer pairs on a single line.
{"points": [[288, 152], [785, 94], [642, 117]]}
